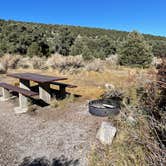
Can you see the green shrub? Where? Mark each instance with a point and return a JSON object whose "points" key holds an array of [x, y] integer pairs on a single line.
{"points": [[34, 49], [135, 51], [77, 47], [87, 53]]}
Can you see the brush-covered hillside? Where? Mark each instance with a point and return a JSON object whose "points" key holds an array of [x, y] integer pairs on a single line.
{"points": [[43, 39]]}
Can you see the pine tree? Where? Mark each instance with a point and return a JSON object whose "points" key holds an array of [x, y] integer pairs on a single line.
{"points": [[135, 51]]}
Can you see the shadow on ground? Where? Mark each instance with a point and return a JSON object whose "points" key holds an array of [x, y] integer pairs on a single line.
{"points": [[43, 161]]}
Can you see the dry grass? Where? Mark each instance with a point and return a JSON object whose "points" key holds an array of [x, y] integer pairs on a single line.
{"points": [[112, 60], [60, 62], [62, 103], [91, 84], [96, 65], [133, 144], [11, 61], [38, 62], [25, 63], [18, 61]]}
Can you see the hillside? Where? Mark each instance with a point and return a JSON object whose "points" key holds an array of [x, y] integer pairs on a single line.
{"points": [[43, 39]]}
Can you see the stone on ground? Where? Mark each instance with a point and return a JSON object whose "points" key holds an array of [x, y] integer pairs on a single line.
{"points": [[106, 133], [109, 86], [131, 120]]}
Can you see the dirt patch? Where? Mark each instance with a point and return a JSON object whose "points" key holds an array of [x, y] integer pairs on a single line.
{"points": [[48, 132]]}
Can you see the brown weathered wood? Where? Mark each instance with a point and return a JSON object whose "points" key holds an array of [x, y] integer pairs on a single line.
{"points": [[35, 77], [62, 88], [17, 89], [64, 84]]}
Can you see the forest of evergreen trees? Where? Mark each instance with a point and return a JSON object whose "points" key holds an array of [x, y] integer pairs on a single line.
{"points": [[42, 40]]}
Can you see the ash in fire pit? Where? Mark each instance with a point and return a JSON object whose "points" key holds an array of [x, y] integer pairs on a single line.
{"points": [[104, 107]]}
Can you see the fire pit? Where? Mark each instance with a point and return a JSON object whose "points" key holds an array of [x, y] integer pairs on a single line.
{"points": [[104, 107]]}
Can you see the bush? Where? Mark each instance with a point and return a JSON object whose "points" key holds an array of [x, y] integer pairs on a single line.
{"points": [[159, 47], [99, 54], [13, 61], [107, 45], [112, 59], [112, 93], [87, 54], [66, 40], [89, 48], [74, 61], [38, 62], [77, 47], [153, 101], [25, 62], [64, 62], [34, 49], [3, 66], [95, 65], [135, 51]]}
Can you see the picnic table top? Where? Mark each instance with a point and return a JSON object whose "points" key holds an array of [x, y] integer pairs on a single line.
{"points": [[36, 77]]}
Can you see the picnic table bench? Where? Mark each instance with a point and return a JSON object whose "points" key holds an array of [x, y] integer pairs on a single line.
{"points": [[62, 87], [23, 96], [12, 88]]}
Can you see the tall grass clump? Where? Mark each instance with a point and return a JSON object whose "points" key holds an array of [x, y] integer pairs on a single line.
{"points": [[60, 62], [9, 61], [38, 62], [154, 104], [95, 65]]}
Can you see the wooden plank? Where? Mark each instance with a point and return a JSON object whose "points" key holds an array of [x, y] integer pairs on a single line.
{"points": [[17, 89], [36, 77], [64, 84]]}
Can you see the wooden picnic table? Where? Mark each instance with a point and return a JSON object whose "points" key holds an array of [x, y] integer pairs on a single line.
{"points": [[44, 82]]}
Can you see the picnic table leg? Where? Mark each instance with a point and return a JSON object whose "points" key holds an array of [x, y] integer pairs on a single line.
{"points": [[23, 100], [62, 91], [45, 92], [23, 105], [5, 95], [25, 84]]}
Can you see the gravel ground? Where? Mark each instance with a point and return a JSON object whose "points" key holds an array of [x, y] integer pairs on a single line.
{"points": [[47, 132]]}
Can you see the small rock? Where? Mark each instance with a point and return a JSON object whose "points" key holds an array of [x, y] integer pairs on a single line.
{"points": [[131, 120], [109, 86], [106, 133]]}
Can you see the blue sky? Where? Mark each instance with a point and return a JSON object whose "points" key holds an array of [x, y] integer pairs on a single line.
{"points": [[146, 16]]}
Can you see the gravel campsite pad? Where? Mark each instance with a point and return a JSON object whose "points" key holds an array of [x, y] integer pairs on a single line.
{"points": [[49, 132]]}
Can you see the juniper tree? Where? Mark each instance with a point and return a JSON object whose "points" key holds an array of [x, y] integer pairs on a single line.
{"points": [[34, 49], [66, 39], [135, 51], [77, 47]]}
